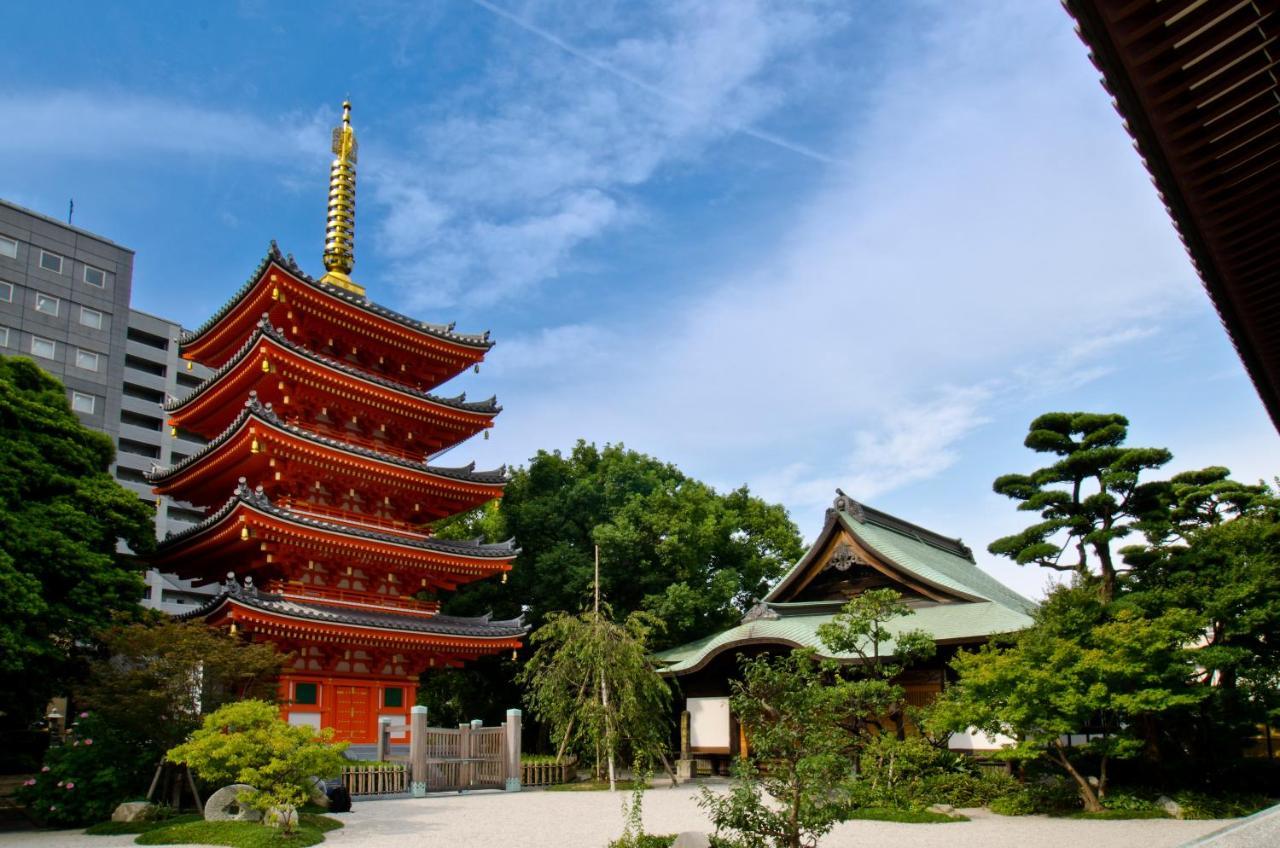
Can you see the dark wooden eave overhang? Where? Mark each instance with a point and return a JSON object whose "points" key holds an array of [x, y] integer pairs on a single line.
{"points": [[1198, 86], [213, 342], [278, 615], [205, 411], [220, 538], [465, 486]]}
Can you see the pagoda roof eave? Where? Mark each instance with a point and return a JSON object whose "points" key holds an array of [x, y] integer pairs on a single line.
{"points": [[442, 332], [254, 410], [265, 331], [257, 501], [323, 616]]}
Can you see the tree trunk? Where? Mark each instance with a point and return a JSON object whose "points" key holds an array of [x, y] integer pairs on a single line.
{"points": [[1087, 793], [793, 820], [1108, 571]]}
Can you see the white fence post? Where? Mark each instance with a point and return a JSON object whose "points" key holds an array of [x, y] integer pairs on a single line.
{"points": [[418, 751], [513, 750]]}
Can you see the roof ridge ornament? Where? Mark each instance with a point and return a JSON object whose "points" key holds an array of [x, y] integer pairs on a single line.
{"points": [[340, 229], [847, 505], [760, 612]]}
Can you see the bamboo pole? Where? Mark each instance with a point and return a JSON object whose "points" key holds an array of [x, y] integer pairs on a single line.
{"points": [[604, 689]]}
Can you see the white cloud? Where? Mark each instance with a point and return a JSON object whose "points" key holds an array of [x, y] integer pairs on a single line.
{"points": [[126, 126], [514, 186], [994, 238]]}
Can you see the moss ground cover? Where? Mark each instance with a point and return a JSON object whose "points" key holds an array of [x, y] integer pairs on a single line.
{"points": [[191, 829], [591, 786], [891, 814]]}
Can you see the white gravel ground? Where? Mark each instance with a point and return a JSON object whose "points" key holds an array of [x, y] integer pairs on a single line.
{"points": [[539, 819]]}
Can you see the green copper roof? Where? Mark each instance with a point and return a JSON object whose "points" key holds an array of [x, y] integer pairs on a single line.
{"points": [[932, 564], [945, 622], [984, 606]]}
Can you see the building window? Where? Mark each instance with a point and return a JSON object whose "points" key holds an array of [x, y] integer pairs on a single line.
{"points": [[8, 247], [91, 318], [393, 697], [51, 262], [46, 303], [6, 291], [95, 276], [87, 359], [306, 693], [81, 402], [4, 336], [43, 347]]}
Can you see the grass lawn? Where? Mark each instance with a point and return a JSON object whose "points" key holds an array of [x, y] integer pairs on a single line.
{"points": [[890, 814], [591, 786], [194, 830]]}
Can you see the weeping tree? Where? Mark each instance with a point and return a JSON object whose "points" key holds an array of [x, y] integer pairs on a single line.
{"points": [[592, 682]]}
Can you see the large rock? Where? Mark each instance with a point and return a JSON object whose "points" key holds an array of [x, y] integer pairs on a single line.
{"points": [[134, 811], [224, 805], [1171, 807], [319, 793], [692, 839]]}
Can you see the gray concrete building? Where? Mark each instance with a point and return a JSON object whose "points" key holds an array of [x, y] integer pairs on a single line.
{"points": [[153, 373], [64, 302]]}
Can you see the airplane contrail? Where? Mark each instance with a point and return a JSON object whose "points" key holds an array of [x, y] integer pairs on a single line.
{"points": [[613, 70]]}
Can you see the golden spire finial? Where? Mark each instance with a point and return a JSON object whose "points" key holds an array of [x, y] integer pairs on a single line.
{"points": [[340, 232]]}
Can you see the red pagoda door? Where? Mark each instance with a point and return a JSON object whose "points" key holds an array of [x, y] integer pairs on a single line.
{"points": [[351, 714]]}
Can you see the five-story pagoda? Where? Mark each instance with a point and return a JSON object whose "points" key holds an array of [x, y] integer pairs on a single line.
{"points": [[322, 420]]}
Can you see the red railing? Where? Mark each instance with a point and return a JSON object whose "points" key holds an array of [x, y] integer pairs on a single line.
{"points": [[345, 516], [347, 597]]}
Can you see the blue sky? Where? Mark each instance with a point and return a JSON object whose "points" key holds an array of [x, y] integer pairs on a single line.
{"points": [[794, 245]]}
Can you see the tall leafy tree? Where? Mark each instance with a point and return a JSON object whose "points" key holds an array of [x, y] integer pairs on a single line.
{"points": [[693, 557], [1084, 666], [61, 514], [1089, 497], [668, 543], [1216, 553]]}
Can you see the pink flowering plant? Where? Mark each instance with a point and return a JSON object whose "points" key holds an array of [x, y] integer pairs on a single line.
{"points": [[83, 779]]}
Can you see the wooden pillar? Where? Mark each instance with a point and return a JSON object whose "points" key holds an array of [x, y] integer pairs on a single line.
{"points": [[418, 751], [684, 734], [513, 750]]}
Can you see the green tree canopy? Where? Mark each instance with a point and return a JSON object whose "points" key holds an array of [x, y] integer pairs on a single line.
{"points": [[671, 545], [61, 514], [795, 711], [1216, 553], [159, 676], [592, 681], [1089, 497], [860, 629], [248, 742], [668, 543], [1084, 667]]}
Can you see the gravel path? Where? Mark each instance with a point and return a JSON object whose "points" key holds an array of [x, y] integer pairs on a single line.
{"points": [[538, 819]]}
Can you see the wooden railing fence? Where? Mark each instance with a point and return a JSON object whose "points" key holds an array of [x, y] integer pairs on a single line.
{"points": [[380, 779], [548, 774], [441, 759]]}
